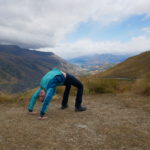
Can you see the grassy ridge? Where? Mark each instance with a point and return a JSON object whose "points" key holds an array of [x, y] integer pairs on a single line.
{"points": [[133, 67]]}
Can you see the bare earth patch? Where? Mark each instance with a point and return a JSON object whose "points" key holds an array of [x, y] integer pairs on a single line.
{"points": [[112, 122]]}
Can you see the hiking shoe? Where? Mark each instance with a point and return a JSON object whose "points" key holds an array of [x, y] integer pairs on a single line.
{"points": [[64, 107], [80, 109]]}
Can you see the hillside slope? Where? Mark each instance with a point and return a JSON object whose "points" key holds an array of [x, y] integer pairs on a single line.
{"points": [[133, 67], [21, 69]]}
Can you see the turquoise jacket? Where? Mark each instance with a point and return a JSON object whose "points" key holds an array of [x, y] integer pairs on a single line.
{"points": [[47, 78]]}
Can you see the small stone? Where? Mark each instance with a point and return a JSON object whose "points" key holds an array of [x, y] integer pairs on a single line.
{"points": [[82, 126]]}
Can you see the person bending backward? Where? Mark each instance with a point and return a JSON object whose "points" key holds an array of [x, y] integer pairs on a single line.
{"points": [[47, 89]]}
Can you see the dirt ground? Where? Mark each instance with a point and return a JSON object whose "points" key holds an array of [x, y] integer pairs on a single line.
{"points": [[112, 122]]}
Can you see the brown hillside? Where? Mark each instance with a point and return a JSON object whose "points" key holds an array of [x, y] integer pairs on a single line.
{"points": [[21, 69], [133, 67]]}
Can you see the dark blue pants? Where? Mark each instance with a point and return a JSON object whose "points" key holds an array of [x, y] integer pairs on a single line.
{"points": [[69, 81]]}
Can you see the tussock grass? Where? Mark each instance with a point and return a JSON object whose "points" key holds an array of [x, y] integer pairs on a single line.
{"points": [[142, 85], [7, 97], [99, 85]]}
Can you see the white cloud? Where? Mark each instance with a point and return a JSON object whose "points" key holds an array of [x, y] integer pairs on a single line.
{"points": [[44, 23], [87, 47], [146, 29]]}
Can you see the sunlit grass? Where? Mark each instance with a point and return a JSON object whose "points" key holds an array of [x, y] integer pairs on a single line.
{"points": [[7, 97], [99, 86], [142, 85]]}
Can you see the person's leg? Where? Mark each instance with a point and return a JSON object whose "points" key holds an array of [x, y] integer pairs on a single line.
{"points": [[66, 96], [70, 79], [79, 95]]}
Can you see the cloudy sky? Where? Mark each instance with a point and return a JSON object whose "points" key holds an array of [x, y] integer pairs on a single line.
{"points": [[80, 27]]}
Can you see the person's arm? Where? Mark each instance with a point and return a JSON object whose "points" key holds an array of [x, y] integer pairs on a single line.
{"points": [[33, 100], [49, 95]]}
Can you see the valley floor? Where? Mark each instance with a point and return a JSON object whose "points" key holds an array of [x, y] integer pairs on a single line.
{"points": [[112, 122]]}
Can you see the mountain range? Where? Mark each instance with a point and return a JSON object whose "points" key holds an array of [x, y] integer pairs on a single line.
{"points": [[98, 62], [21, 69], [99, 59]]}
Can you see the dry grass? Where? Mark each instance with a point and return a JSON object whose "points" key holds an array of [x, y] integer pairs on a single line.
{"points": [[104, 85], [112, 122], [142, 85], [7, 97]]}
